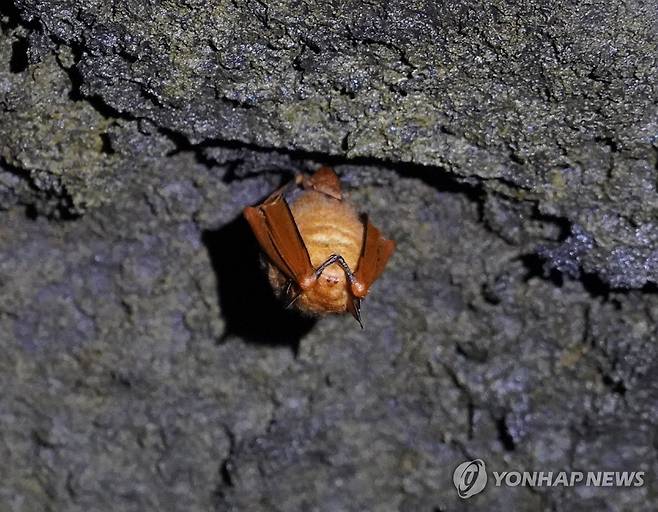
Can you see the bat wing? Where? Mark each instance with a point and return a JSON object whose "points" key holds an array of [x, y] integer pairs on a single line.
{"points": [[375, 252], [275, 229]]}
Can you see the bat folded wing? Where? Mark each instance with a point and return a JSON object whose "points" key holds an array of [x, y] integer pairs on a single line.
{"points": [[375, 252], [275, 229]]}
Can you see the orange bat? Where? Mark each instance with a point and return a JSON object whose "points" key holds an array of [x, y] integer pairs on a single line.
{"points": [[314, 244]]}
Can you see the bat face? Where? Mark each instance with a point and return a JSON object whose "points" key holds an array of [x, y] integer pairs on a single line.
{"points": [[323, 257]]}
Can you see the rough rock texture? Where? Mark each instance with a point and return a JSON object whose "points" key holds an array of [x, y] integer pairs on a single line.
{"points": [[510, 148]]}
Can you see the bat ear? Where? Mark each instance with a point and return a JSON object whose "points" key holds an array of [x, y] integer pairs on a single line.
{"points": [[354, 307], [324, 180]]}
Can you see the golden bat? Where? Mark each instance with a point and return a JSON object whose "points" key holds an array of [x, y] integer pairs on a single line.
{"points": [[323, 256]]}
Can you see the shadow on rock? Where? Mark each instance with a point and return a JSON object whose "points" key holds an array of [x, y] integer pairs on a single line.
{"points": [[247, 302]]}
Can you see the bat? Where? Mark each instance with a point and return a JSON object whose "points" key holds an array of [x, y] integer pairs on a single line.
{"points": [[322, 256]]}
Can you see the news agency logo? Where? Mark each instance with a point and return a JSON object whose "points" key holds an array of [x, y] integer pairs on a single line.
{"points": [[469, 478]]}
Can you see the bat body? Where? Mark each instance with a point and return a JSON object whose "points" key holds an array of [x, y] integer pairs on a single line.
{"points": [[323, 257], [327, 226]]}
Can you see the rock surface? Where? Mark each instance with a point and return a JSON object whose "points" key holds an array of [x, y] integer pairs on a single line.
{"points": [[511, 150]]}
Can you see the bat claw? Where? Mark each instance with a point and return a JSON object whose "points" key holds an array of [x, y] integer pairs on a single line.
{"points": [[356, 311], [288, 291], [292, 301]]}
